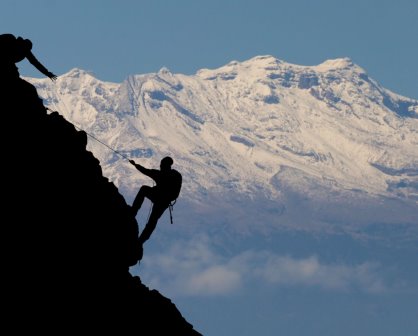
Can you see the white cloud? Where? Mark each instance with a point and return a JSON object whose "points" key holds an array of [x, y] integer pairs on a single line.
{"points": [[285, 270], [194, 268], [214, 280]]}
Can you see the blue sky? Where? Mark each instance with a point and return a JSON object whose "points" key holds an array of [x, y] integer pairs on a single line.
{"points": [[114, 39]]}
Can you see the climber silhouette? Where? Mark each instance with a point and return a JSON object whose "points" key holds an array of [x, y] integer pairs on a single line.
{"points": [[167, 189], [14, 50]]}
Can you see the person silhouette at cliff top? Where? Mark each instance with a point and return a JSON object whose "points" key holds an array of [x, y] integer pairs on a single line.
{"points": [[163, 195], [14, 50]]}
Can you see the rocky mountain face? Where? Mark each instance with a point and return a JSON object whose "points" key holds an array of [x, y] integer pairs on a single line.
{"points": [[68, 235], [302, 145]]}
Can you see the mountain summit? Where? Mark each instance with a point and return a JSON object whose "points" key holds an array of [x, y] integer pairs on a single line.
{"points": [[288, 139]]}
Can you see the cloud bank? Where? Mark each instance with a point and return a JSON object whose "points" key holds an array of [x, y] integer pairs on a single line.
{"points": [[194, 268]]}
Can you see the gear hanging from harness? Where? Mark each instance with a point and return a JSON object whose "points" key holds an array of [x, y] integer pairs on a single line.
{"points": [[175, 187], [171, 209]]}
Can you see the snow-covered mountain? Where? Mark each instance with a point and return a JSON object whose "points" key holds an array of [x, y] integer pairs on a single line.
{"points": [[262, 140]]}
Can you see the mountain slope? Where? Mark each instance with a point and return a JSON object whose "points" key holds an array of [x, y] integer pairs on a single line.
{"points": [[68, 235]]}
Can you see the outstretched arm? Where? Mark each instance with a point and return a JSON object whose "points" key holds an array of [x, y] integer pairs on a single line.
{"points": [[142, 169], [153, 173], [33, 60]]}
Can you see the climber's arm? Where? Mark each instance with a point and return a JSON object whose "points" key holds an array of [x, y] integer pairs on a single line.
{"points": [[33, 60], [141, 168], [153, 173]]}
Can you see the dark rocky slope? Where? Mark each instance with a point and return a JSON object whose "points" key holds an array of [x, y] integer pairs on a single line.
{"points": [[68, 238]]}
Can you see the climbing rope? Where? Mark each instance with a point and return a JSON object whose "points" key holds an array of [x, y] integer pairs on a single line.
{"points": [[92, 136], [170, 206], [124, 156]]}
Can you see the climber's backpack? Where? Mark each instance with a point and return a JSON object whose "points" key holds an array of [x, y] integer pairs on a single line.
{"points": [[175, 185]]}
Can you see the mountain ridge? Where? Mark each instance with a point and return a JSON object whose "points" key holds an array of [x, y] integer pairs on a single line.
{"points": [[240, 128]]}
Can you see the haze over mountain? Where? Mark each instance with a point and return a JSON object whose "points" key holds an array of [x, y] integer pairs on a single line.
{"points": [[312, 146]]}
